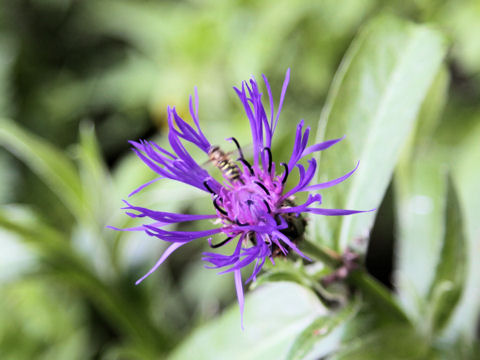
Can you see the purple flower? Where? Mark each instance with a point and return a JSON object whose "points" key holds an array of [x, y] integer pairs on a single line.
{"points": [[252, 205]]}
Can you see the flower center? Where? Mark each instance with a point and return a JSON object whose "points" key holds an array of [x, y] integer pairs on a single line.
{"points": [[247, 204]]}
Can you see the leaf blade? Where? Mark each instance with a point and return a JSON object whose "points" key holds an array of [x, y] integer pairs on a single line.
{"points": [[374, 100], [466, 173], [420, 189], [313, 341], [48, 162], [274, 315], [450, 276]]}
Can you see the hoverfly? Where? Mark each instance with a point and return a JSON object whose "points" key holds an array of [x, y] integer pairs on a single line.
{"points": [[296, 227], [222, 160]]}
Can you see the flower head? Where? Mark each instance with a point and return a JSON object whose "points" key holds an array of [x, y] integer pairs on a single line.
{"points": [[252, 206]]}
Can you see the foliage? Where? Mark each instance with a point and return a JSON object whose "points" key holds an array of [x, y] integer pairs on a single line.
{"points": [[80, 78]]}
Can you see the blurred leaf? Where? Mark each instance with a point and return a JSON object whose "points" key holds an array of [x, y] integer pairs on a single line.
{"points": [[392, 342], [205, 289], [420, 189], [466, 173], [374, 100], [433, 106], [125, 86], [94, 174], [91, 237], [15, 258], [313, 342], [274, 315], [462, 21], [67, 267], [262, 42], [369, 323], [141, 23], [284, 270], [40, 321], [25, 223], [9, 178], [451, 270], [8, 51], [308, 276], [49, 163], [131, 172]]}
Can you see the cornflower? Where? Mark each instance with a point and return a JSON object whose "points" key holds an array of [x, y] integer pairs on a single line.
{"points": [[252, 205]]}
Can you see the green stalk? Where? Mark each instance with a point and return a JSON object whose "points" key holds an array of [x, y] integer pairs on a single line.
{"points": [[376, 292], [323, 254]]}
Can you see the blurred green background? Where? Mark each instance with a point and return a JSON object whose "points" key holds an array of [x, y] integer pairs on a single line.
{"points": [[80, 78]]}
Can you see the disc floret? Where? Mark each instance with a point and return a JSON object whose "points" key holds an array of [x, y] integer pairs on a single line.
{"points": [[252, 205]]}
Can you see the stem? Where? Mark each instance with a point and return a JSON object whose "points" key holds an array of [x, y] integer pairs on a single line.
{"points": [[377, 293], [325, 255], [359, 278]]}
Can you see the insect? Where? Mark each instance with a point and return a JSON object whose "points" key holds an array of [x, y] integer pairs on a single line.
{"points": [[221, 160], [294, 231]]}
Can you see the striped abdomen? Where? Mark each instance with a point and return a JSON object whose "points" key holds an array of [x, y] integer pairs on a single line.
{"points": [[223, 162]]}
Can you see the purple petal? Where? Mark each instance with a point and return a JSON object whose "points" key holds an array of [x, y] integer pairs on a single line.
{"points": [[195, 114], [187, 132], [164, 256], [239, 288], [269, 91], [182, 168], [301, 139], [301, 208], [331, 182], [335, 212], [220, 260], [144, 186], [321, 146], [179, 236], [287, 241], [258, 228], [248, 258], [258, 266], [282, 97], [160, 149], [305, 177], [209, 240], [165, 217], [253, 123], [137, 228]]}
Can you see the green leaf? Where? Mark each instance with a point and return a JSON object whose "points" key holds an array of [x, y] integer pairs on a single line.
{"points": [[466, 174], [308, 276], [94, 175], [274, 316], [392, 342], [374, 101], [8, 51], [451, 268], [462, 21], [433, 107], [284, 270], [314, 340], [420, 189], [48, 162], [25, 223], [39, 319]]}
